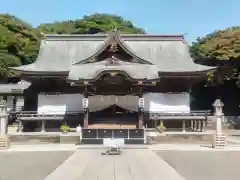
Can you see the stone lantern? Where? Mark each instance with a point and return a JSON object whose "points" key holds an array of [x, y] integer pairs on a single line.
{"points": [[218, 112], [3, 118]]}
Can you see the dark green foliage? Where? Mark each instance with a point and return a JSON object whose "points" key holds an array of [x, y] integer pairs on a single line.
{"points": [[19, 41], [96, 23], [219, 46]]}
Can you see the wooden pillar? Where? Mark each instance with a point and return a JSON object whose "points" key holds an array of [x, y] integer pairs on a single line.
{"points": [[140, 109], [86, 109], [14, 103]]}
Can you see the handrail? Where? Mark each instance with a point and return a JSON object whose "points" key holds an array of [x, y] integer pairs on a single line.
{"points": [[69, 113], [191, 113]]}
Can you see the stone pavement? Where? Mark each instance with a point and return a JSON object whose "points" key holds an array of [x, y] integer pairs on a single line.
{"points": [[30, 165], [192, 147], [204, 165], [131, 165], [155, 147], [164, 161], [41, 147]]}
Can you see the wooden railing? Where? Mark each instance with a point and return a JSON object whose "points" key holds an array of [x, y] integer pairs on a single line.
{"points": [[202, 114], [34, 115]]}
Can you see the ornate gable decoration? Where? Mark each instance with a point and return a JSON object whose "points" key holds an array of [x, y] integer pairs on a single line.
{"points": [[113, 47], [113, 61]]}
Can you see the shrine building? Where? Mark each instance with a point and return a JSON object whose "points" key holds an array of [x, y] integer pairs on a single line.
{"points": [[108, 80]]}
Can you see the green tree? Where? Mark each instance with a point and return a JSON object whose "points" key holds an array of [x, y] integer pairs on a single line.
{"points": [[219, 46], [19, 41], [92, 24]]}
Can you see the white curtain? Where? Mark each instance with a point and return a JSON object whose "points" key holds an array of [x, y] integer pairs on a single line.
{"points": [[59, 104], [167, 103], [153, 102], [128, 102], [98, 102]]}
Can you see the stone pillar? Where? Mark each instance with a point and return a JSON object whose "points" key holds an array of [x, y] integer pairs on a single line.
{"points": [[140, 109], [203, 125], [218, 112], [199, 127], [43, 126], [85, 109], [3, 118]]}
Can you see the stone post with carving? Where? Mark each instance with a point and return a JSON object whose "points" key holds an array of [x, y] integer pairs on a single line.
{"points": [[4, 140], [218, 113], [3, 118], [219, 140]]}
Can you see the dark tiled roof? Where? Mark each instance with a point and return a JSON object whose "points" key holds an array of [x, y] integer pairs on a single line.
{"points": [[59, 53], [133, 70]]}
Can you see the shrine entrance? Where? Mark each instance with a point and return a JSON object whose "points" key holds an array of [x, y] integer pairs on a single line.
{"points": [[113, 117], [113, 102]]}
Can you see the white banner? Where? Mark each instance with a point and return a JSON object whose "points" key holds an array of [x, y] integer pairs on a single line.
{"points": [[59, 104]]}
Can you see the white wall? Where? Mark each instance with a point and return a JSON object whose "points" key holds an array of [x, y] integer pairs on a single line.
{"points": [[167, 103], [59, 104]]}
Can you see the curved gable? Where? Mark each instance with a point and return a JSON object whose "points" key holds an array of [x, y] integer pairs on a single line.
{"points": [[113, 39]]}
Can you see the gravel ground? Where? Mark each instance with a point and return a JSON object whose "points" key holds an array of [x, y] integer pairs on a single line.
{"points": [[204, 165], [29, 165]]}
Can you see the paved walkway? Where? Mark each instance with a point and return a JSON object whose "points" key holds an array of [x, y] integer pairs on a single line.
{"points": [[156, 147], [192, 147], [130, 165]]}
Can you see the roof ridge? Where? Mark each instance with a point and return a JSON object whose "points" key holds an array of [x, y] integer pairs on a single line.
{"points": [[103, 36]]}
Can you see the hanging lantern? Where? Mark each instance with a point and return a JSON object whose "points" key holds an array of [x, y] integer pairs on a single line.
{"points": [[141, 102], [85, 102]]}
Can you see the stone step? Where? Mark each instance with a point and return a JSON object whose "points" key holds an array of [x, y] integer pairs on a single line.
{"points": [[4, 142], [220, 141]]}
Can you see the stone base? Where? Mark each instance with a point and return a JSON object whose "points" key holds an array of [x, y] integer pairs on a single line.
{"points": [[4, 142], [69, 139], [181, 139], [34, 139]]}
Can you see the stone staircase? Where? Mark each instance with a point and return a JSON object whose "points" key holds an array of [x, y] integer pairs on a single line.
{"points": [[4, 142], [219, 141]]}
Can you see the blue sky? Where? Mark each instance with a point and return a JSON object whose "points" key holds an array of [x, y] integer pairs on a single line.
{"points": [[193, 17]]}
